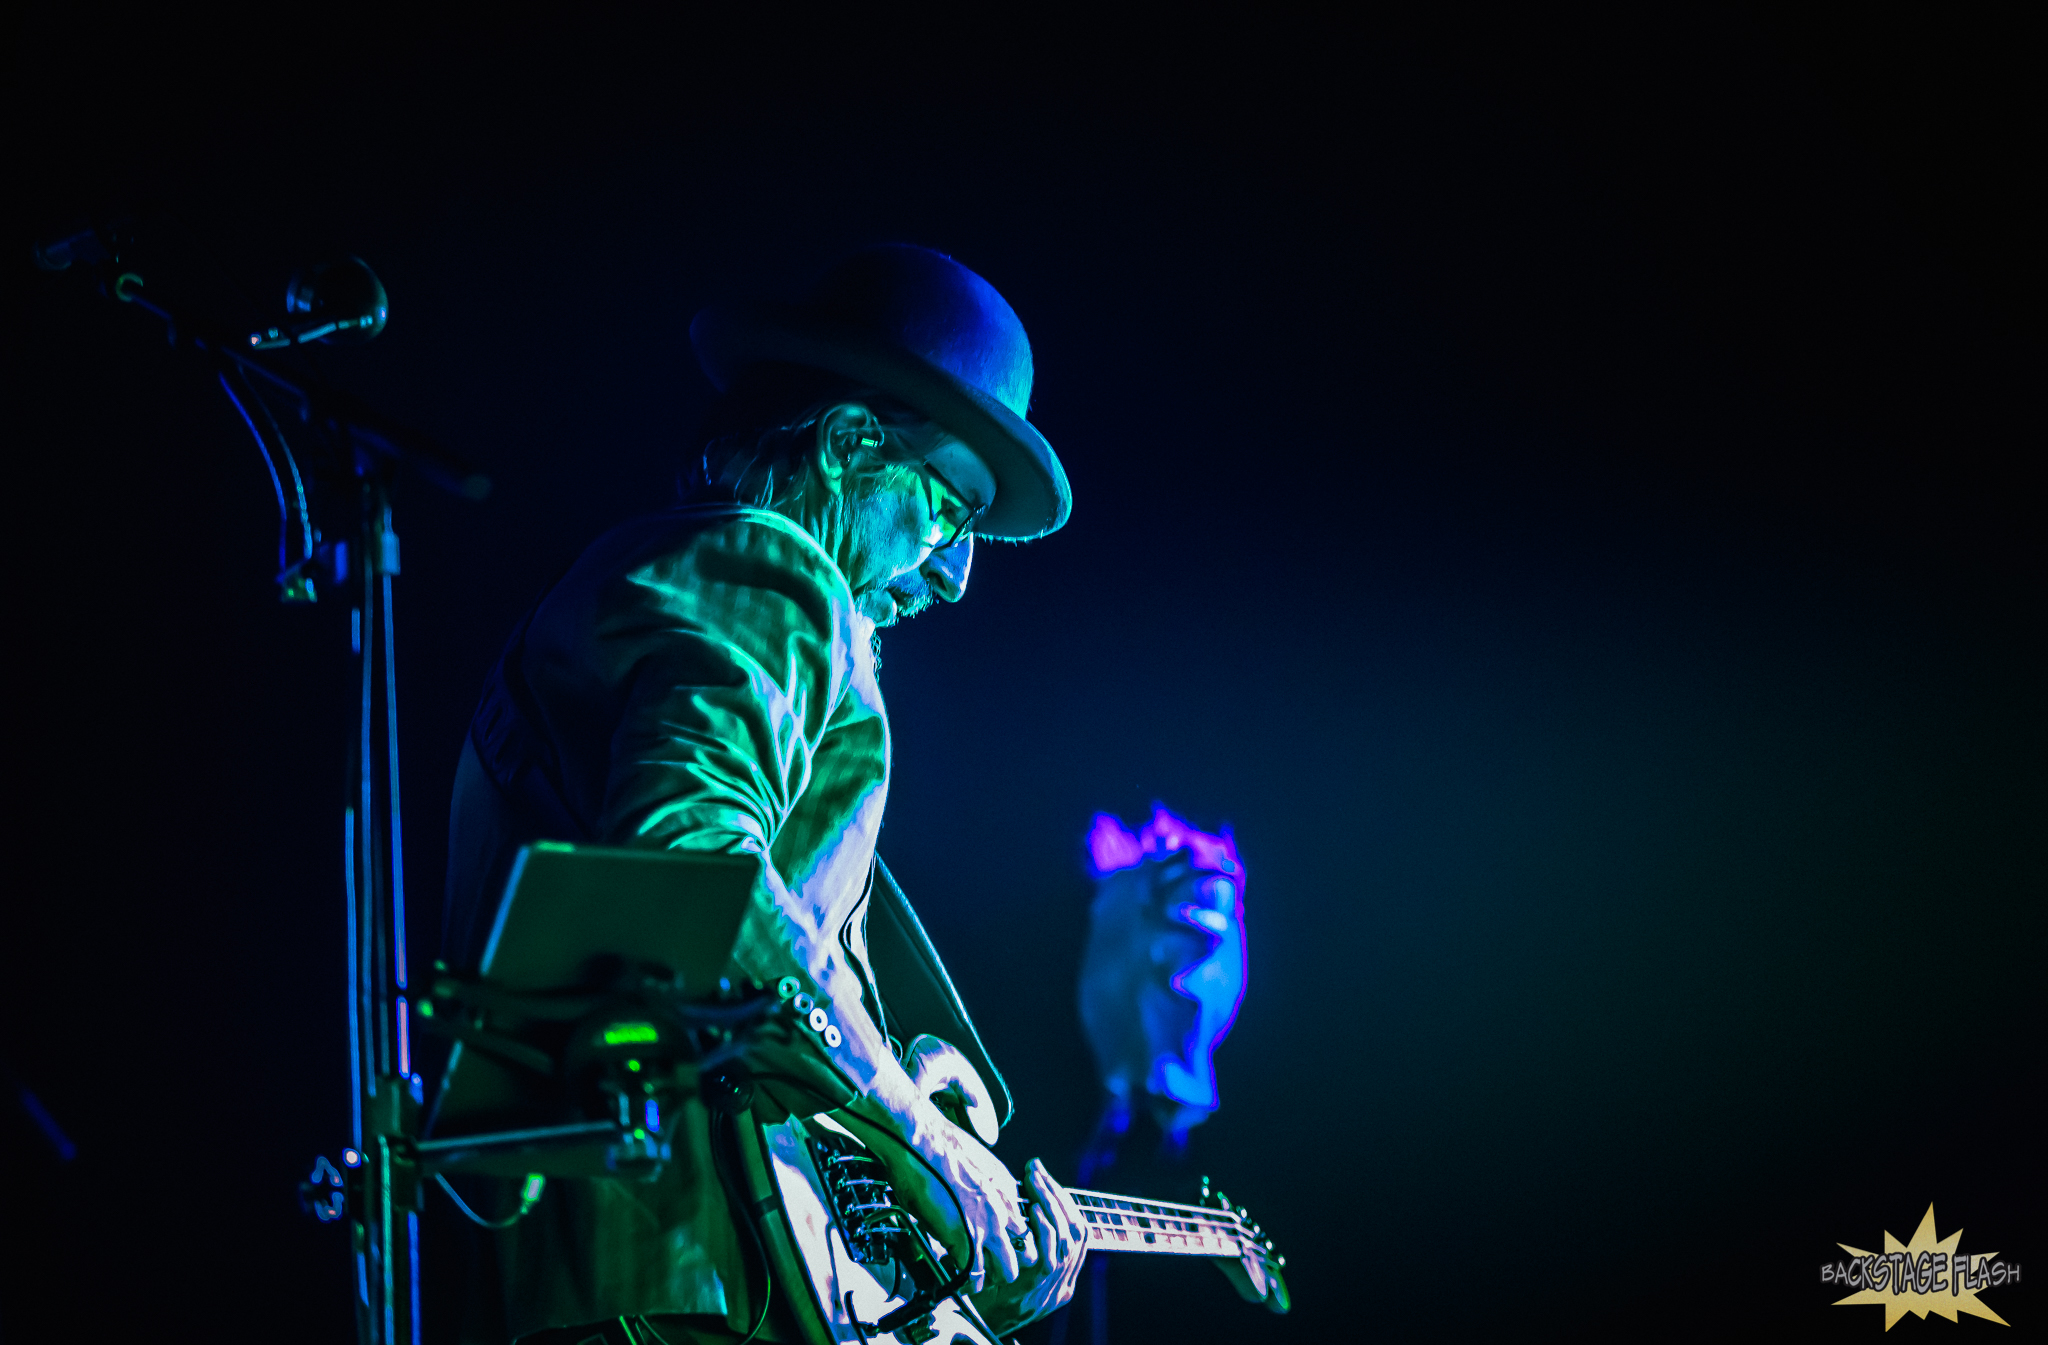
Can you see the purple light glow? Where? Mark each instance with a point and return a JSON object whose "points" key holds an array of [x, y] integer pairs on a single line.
{"points": [[1113, 846], [1140, 1039]]}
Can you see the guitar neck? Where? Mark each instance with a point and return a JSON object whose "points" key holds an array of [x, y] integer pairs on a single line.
{"points": [[1123, 1224]]}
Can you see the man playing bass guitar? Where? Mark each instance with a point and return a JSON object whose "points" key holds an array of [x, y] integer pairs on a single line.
{"points": [[704, 679]]}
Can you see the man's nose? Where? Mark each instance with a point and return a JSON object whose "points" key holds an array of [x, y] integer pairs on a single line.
{"points": [[946, 571]]}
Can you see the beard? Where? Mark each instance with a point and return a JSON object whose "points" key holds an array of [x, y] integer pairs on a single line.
{"points": [[877, 509], [898, 600]]}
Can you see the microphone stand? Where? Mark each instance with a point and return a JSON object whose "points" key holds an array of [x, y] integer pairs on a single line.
{"points": [[377, 1187]]}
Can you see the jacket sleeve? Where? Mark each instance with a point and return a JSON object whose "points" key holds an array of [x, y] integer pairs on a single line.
{"points": [[730, 658]]}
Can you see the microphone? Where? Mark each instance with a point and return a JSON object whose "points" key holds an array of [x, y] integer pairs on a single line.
{"points": [[340, 301], [336, 302]]}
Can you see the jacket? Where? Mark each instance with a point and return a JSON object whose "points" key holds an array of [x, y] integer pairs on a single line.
{"points": [[698, 679]]}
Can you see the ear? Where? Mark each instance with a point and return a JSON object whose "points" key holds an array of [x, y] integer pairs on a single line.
{"points": [[843, 431]]}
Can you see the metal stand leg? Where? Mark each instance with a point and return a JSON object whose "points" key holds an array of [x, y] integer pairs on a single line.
{"points": [[377, 1187], [385, 1113]]}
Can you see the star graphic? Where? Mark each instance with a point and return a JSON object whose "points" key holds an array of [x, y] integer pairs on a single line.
{"points": [[1949, 1301]]}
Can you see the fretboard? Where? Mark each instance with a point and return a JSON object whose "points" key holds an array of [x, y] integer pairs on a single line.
{"points": [[1121, 1224]]}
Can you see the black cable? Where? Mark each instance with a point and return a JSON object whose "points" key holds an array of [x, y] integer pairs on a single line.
{"points": [[646, 1326], [284, 517], [230, 376], [298, 481], [967, 1306], [725, 1157], [497, 1225]]}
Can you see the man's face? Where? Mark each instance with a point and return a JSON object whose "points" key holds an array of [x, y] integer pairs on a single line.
{"points": [[941, 575], [910, 540]]}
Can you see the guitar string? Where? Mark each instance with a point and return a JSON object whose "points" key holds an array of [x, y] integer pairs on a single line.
{"points": [[1243, 1245], [1222, 1223], [1189, 1227], [1159, 1209]]}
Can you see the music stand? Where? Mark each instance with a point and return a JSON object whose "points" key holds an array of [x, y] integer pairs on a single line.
{"points": [[577, 924]]}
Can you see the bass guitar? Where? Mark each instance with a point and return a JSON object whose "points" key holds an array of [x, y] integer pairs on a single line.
{"points": [[869, 1275]]}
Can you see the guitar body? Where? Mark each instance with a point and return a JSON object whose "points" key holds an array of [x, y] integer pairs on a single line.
{"points": [[850, 1295]]}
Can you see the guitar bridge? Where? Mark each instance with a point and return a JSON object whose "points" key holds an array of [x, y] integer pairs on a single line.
{"points": [[862, 1200], [847, 1186]]}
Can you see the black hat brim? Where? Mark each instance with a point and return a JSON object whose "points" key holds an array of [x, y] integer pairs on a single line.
{"points": [[1032, 497]]}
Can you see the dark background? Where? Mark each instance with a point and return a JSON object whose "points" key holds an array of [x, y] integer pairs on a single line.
{"points": [[1562, 488]]}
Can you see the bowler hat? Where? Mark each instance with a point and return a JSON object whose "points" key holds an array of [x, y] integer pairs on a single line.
{"points": [[920, 326]]}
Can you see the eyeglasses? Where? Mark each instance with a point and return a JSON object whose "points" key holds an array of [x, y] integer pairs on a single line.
{"points": [[965, 527], [899, 443]]}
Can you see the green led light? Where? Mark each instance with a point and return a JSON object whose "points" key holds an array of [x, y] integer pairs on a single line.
{"points": [[633, 1065], [426, 1008], [629, 1034]]}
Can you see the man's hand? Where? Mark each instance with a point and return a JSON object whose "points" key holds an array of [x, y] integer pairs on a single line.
{"points": [[1052, 1259]]}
